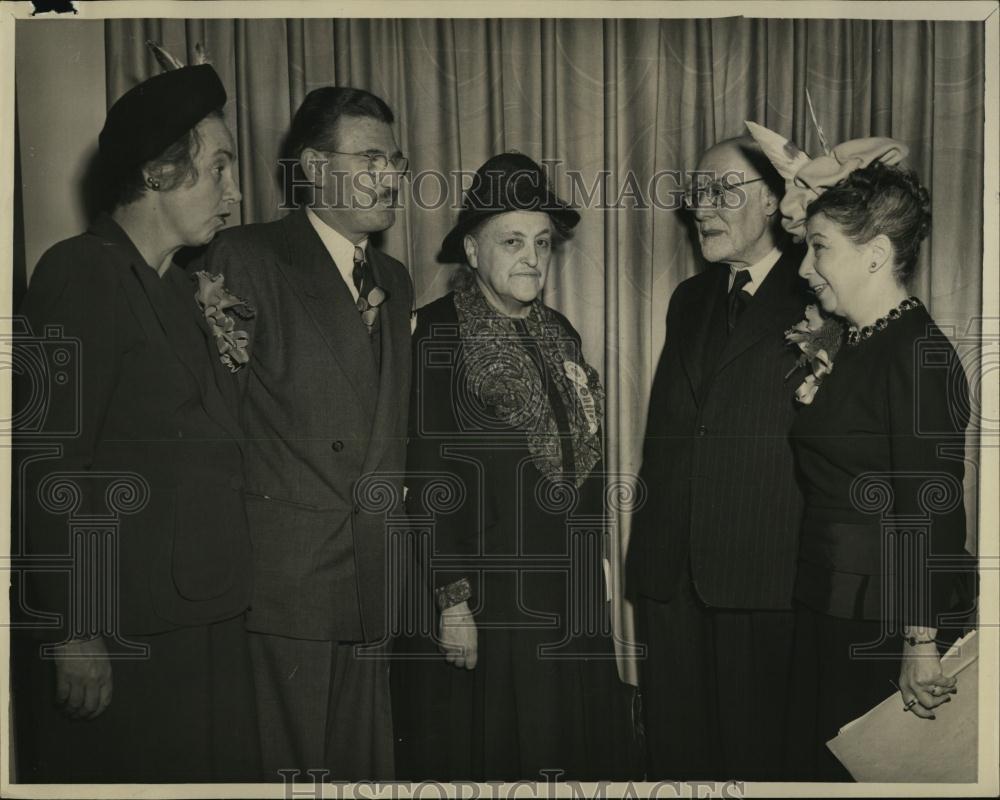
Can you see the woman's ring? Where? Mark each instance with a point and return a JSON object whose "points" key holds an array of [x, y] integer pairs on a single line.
{"points": [[909, 704]]}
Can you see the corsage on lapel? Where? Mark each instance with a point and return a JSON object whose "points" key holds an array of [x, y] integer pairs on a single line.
{"points": [[818, 338], [219, 305]]}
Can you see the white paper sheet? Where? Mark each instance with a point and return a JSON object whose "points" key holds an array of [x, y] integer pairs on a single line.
{"points": [[890, 745]]}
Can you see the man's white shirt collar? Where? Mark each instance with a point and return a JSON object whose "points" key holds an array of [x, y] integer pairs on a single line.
{"points": [[757, 271], [340, 248]]}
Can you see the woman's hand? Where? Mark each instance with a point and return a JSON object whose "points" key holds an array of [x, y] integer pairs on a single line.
{"points": [[921, 679], [83, 678], [459, 638]]}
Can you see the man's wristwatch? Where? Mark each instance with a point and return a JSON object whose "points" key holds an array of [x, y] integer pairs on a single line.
{"points": [[913, 641]]}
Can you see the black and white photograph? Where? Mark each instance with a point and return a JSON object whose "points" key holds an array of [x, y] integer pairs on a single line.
{"points": [[500, 400]]}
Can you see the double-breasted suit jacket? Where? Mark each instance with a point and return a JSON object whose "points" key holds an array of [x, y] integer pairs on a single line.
{"points": [[149, 401], [320, 410], [717, 463]]}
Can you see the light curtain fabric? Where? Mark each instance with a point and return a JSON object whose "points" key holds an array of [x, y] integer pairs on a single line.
{"points": [[618, 98]]}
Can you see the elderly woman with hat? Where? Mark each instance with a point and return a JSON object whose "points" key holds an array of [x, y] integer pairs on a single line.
{"points": [[139, 502], [879, 442], [506, 496]]}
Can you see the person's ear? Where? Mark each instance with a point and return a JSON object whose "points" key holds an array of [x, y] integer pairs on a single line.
{"points": [[880, 252], [313, 164], [153, 179], [770, 200], [471, 250]]}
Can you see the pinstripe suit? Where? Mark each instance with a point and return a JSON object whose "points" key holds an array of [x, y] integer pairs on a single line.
{"points": [[712, 556]]}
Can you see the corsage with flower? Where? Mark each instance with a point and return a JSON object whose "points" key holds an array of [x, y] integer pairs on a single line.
{"points": [[818, 337], [220, 306]]}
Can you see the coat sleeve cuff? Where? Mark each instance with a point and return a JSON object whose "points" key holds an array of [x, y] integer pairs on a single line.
{"points": [[453, 593]]}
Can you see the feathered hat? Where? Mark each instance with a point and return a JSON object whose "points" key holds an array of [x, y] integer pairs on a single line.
{"points": [[151, 116], [807, 178]]}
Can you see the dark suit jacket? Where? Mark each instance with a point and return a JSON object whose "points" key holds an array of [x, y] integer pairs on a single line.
{"points": [[717, 463], [318, 415], [133, 385]]}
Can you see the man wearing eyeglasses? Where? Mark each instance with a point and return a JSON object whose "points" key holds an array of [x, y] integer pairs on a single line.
{"points": [[712, 554], [324, 407]]}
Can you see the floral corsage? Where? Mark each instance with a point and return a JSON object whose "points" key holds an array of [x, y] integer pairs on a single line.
{"points": [[219, 305], [818, 338]]}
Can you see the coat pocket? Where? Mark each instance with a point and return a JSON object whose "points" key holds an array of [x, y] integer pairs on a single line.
{"points": [[209, 540], [202, 569]]}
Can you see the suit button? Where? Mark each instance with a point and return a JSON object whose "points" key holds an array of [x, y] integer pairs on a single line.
{"points": [[337, 446], [357, 510], [702, 430]]}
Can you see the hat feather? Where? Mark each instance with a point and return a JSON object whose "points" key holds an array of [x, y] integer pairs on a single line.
{"points": [[167, 61], [822, 136], [200, 56], [784, 154]]}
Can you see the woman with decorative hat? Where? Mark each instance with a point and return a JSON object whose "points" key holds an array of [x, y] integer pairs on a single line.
{"points": [[504, 479], [880, 414], [140, 500]]}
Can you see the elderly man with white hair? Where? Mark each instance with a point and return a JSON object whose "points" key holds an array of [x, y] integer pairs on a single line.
{"points": [[712, 555]]}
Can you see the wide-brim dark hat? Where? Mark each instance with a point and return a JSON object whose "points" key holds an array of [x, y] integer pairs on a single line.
{"points": [[150, 117], [506, 182]]}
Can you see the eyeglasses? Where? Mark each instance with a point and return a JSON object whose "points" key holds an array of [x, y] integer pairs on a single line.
{"points": [[377, 160], [368, 306], [715, 194]]}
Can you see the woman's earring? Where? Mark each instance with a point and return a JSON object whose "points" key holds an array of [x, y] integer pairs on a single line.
{"points": [[153, 184], [873, 267]]}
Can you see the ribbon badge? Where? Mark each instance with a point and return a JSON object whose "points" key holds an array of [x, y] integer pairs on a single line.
{"points": [[578, 377]]}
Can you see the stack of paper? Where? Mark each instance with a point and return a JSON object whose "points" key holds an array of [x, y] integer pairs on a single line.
{"points": [[890, 745]]}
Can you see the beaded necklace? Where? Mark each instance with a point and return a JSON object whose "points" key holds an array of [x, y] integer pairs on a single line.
{"points": [[856, 335]]}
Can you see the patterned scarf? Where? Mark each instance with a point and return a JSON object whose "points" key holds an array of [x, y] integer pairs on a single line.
{"points": [[505, 382]]}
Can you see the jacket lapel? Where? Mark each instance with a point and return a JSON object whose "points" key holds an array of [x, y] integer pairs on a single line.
{"points": [[180, 338], [145, 290], [767, 314], [315, 279], [147, 283]]}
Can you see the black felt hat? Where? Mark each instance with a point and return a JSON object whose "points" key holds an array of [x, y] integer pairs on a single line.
{"points": [[506, 182], [150, 117]]}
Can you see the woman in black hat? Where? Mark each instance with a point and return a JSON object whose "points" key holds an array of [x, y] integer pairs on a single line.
{"points": [[139, 504], [507, 499]]}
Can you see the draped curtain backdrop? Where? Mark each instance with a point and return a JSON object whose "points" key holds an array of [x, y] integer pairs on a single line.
{"points": [[622, 97]]}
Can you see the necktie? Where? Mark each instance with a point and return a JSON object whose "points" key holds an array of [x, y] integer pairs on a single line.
{"points": [[370, 296], [738, 298]]}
